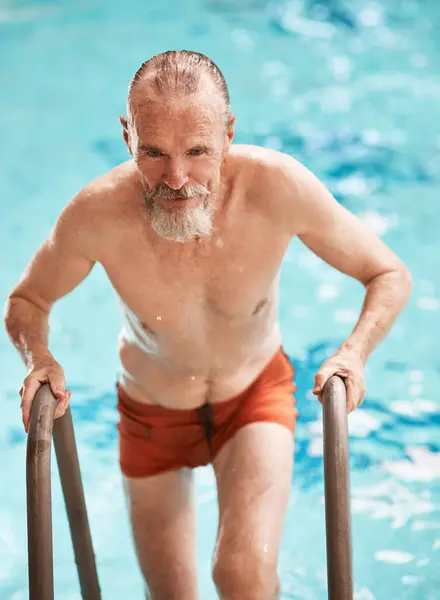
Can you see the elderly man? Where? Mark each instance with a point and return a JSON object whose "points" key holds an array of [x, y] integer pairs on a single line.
{"points": [[191, 232]]}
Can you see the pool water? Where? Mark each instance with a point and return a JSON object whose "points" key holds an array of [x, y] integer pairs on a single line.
{"points": [[350, 88]]}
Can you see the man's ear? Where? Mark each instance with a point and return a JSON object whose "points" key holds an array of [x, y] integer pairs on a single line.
{"points": [[231, 125], [124, 124]]}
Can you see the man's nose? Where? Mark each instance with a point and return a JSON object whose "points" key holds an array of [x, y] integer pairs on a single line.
{"points": [[175, 175]]}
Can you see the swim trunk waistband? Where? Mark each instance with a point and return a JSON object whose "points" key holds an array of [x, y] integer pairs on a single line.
{"points": [[154, 439]]}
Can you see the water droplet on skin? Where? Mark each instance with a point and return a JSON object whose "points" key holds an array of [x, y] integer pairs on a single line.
{"points": [[219, 243], [193, 377], [159, 318], [266, 548]]}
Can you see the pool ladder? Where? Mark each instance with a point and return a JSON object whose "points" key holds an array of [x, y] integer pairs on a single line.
{"points": [[39, 500]]}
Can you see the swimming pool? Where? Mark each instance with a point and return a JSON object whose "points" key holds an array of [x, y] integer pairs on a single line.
{"points": [[353, 90]]}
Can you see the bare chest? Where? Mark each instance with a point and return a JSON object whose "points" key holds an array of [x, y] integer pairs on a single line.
{"points": [[221, 282]]}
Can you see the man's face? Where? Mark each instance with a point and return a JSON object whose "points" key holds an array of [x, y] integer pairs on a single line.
{"points": [[179, 145]]}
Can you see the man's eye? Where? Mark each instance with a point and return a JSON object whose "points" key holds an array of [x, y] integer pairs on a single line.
{"points": [[196, 151], [153, 153]]}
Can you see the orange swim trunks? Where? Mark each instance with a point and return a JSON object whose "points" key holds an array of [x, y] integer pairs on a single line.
{"points": [[154, 439]]}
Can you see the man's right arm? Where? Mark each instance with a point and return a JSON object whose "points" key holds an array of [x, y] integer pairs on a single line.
{"points": [[62, 262]]}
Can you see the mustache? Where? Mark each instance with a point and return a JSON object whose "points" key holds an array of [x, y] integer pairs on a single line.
{"points": [[168, 193]]}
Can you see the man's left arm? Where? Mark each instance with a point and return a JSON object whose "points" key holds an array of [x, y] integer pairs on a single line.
{"points": [[338, 237]]}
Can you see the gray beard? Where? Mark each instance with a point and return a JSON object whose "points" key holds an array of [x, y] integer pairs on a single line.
{"points": [[180, 224]]}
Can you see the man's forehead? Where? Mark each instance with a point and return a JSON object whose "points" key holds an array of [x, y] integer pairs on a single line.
{"points": [[157, 126], [203, 108]]}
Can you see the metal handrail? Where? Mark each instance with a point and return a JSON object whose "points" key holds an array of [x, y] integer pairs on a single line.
{"points": [[39, 500], [337, 491]]}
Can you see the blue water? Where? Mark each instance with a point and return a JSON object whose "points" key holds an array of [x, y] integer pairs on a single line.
{"points": [[353, 90]]}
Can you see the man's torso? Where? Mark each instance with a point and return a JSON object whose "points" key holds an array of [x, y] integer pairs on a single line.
{"points": [[200, 317]]}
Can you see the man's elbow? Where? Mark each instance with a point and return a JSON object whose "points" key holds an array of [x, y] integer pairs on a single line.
{"points": [[398, 278], [402, 279], [9, 314], [19, 301], [10, 308], [398, 273], [407, 280]]}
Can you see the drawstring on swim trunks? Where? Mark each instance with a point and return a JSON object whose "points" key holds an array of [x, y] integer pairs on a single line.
{"points": [[206, 416]]}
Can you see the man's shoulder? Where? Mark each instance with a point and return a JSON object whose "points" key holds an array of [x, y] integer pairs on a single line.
{"points": [[108, 187], [251, 153], [105, 196], [263, 162], [98, 206], [274, 182], [266, 171]]}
